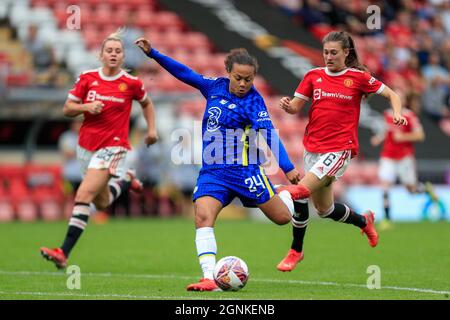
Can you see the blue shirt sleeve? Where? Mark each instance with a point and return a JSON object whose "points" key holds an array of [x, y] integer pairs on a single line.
{"points": [[182, 72], [260, 119]]}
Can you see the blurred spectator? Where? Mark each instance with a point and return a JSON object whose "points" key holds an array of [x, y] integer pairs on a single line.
{"points": [[445, 48], [434, 70], [184, 177], [425, 48], [71, 171], [413, 75], [313, 12], [437, 31], [152, 168], [134, 57], [67, 145], [437, 88], [47, 72], [434, 100], [291, 7]]}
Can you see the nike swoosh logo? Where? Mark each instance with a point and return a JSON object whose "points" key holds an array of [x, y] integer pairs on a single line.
{"points": [[260, 194]]}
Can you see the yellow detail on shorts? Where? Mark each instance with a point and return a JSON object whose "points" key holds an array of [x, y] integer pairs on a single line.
{"points": [[266, 181], [246, 145]]}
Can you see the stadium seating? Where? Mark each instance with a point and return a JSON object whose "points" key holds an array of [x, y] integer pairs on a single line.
{"points": [[171, 35], [31, 191]]}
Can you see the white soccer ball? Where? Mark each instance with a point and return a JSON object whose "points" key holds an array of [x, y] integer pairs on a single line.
{"points": [[231, 273]]}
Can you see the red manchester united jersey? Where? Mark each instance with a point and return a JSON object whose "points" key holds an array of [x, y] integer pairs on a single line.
{"points": [[398, 150], [109, 128], [335, 107]]}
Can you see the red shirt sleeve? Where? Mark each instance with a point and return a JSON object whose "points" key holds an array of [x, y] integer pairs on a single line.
{"points": [[139, 93], [79, 90], [305, 89], [370, 84]]}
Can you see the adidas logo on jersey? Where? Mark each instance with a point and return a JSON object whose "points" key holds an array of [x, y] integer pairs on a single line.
{"points": [[95, 83], [319, 80], [223, 101]]}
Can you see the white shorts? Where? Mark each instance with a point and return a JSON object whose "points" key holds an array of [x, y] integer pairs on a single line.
{"points": [[111, 158], [332, 164], [404, 169]]}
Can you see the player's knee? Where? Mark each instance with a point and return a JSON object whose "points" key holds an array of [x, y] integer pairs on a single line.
{"points": [[101, 204], [84, 196], [282, 218], [203, 217], [203, 220]]}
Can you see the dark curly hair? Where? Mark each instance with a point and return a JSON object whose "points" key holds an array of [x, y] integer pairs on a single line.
{"points": [[240, 56]]}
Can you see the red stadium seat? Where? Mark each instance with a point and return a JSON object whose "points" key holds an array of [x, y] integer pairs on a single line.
{"points": [[49, 204], [320, 30], [21, 79], [353, 175], [262, 86], [6, 210], [195, 41], [10, 172], [26, 210], [165, 20], [146, 20], [369, 173]]}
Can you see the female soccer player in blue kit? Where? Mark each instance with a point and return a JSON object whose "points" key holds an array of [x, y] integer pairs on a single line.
{"points": [[232, 104]]}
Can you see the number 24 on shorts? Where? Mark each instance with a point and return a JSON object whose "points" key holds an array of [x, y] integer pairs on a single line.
{"points": [[253, 182]]}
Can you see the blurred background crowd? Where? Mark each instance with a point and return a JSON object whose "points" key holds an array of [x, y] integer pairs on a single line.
{"points": [[40, 58]]}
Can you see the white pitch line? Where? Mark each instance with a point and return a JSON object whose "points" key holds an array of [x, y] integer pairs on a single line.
{"points": [[87, 295], [154, 276]]}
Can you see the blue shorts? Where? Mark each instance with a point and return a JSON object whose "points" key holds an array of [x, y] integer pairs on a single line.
{"points": [[249, 184]]}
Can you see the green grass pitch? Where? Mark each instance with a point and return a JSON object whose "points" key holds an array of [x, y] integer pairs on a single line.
{"points": [[156, 259]]}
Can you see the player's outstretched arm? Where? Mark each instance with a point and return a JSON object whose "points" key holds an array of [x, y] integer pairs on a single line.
{"points": [[417, 135], [292, 106], [149, 115], [396, 105], [177, 69]]}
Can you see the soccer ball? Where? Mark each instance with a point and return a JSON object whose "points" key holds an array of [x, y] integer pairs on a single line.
{"points": [[231, 273]]}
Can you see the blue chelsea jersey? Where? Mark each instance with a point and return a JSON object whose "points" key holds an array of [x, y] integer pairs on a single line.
{"points": [[230, 123]]}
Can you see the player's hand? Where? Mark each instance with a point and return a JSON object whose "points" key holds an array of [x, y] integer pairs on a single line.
{"points": [[144, 45], [285, 104], [95, 107], [376, 141], [151, 137], [399, 120], [293, 176]]}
